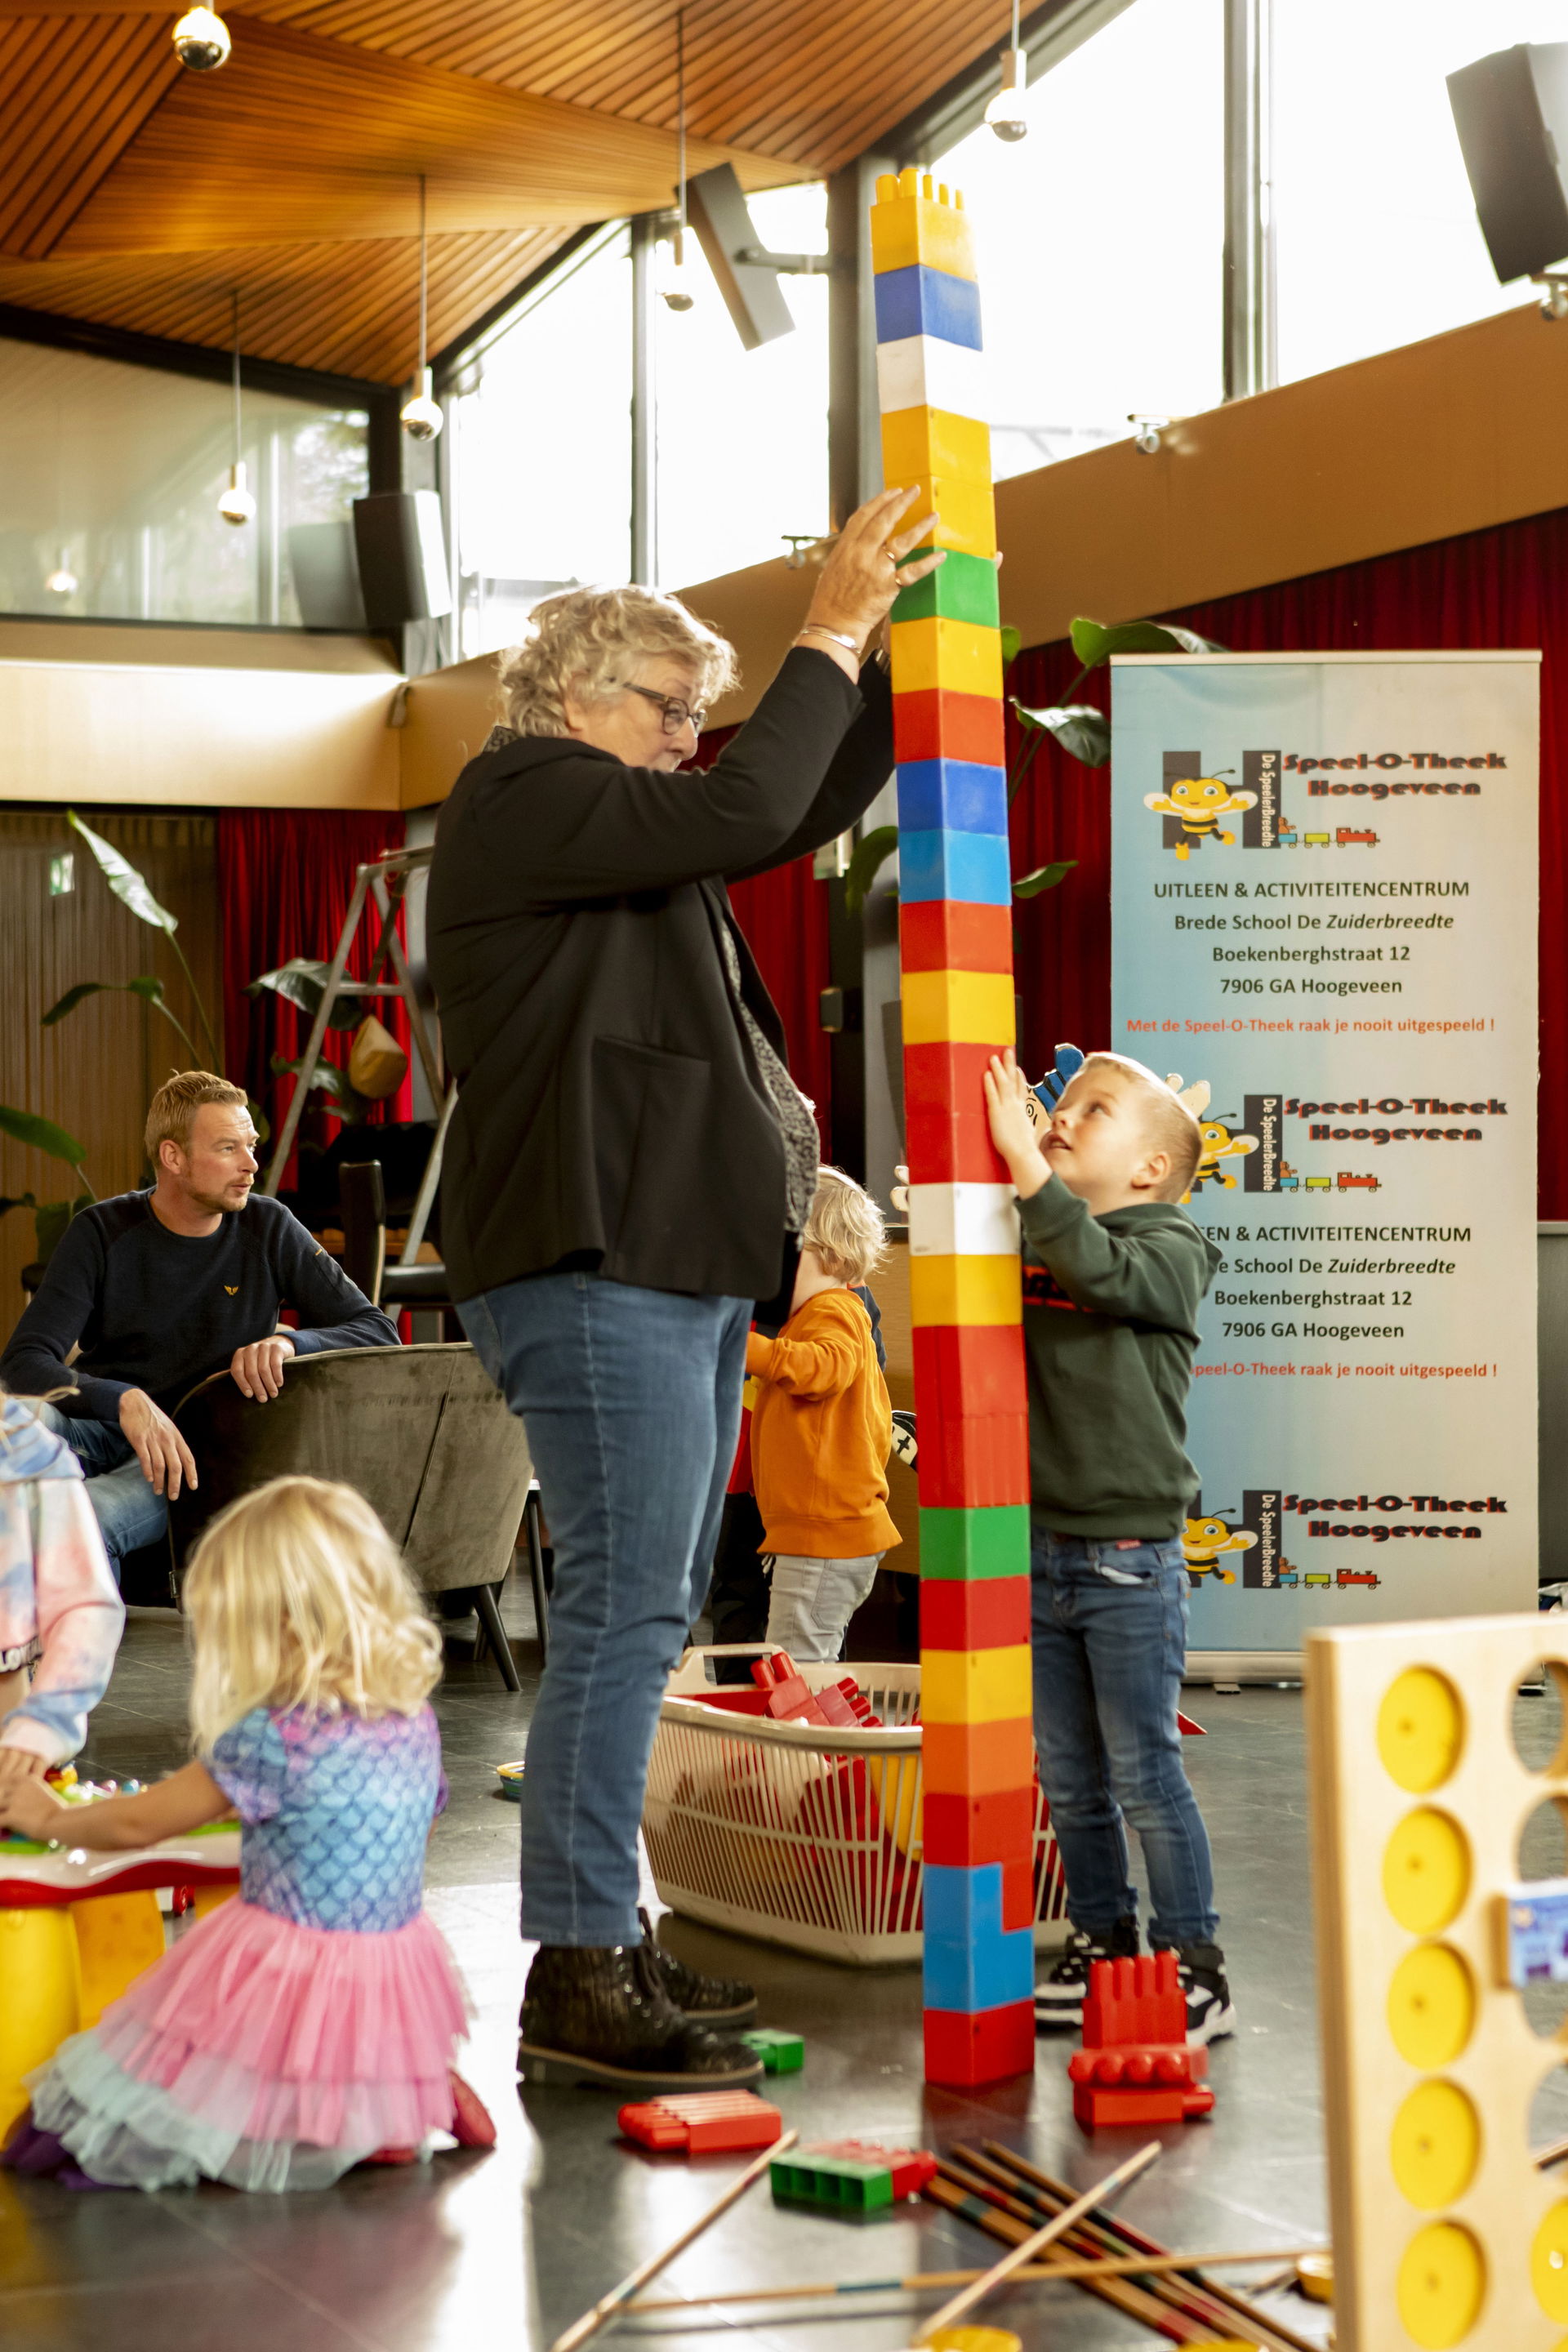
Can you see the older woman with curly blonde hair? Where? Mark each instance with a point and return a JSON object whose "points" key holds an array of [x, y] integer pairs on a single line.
{"points": [[629, 1170]]}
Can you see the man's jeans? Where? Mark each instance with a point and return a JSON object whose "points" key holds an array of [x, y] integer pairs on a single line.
{"points": [[1110, 1637], [813, 1601], [631, 1402], [128, 1513]]}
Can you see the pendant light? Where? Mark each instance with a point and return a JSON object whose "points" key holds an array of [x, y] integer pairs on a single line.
{"points": [[677, 286], [1005, 113], [201, 40], [62, 582], [237, 505], [421, 416]]}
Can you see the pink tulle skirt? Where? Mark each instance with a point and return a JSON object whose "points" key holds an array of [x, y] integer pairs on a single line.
{"points": [[264, 2054]]}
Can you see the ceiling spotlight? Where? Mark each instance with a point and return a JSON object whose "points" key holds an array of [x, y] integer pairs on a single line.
{"points": [[62, 580], [676, 289], [237, 505], [421, 417], [1146, 440], [201, 40], [1005, 113]]}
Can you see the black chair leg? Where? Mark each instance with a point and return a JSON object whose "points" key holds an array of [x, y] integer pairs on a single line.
{"points": [[495, 1634], [531, 1518]]}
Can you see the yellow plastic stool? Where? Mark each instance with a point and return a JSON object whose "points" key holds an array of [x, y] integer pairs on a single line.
{"points": [[118, 1937], [40, 1997], [205, 1900]]}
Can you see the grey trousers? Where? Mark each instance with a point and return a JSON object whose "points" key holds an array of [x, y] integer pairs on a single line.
{"points": [[814, 1599]]}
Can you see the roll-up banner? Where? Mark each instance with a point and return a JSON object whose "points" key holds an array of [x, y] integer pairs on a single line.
{"points": [[1323, 882]]}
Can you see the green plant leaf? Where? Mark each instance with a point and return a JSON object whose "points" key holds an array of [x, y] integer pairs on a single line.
{"points": [[1094, 642], [150, 989], [1078, 727], [1043, 877], [258, 1119], [123, 878], [1011, 641], [25, 1127], [300, 981], [1189, 640], [871, 854], [327, 1080]]}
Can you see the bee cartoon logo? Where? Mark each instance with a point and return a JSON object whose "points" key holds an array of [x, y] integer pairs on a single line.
{"points": [[1208, 1540], [1219, 1141], [1196, 805]]}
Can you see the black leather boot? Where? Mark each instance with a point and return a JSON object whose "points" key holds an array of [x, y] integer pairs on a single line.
{"points": [[707, 2001], [600, 2015]]}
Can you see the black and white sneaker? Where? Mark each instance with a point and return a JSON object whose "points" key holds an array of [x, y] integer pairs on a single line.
{"points": [[1059, 1995], [1211, 2014]]}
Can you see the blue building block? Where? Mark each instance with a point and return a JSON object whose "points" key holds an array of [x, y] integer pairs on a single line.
{"points": [[952, 797], [971, 1963], [920, 300], [975, 867]]}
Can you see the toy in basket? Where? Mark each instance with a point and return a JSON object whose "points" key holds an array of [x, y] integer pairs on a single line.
{"points": [[792, 1810], [77, 1927]]}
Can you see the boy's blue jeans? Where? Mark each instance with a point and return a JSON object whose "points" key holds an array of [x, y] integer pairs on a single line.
{"points": [[632, 1403], [1110, 1635]]}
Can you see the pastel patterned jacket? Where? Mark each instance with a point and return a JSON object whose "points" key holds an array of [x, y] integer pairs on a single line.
{"points": [[59, 1611]]}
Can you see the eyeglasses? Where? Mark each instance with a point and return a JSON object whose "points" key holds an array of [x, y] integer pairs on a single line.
{"points": [[675, 712]]}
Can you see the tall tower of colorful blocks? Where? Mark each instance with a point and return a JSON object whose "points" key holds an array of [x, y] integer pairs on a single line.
{"points": [[956, 952]]}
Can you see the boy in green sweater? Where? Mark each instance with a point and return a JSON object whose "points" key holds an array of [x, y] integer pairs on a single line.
{"points": [[1113, 1274]]}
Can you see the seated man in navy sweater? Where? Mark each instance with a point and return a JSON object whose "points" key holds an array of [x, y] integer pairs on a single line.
{"points": [[161, 1288]]}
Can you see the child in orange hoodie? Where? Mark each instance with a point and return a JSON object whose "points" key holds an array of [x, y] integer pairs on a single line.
{"points": [[821, 1431]]}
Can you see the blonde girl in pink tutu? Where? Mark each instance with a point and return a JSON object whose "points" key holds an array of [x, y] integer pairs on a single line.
{"points": [[309, 2024]]}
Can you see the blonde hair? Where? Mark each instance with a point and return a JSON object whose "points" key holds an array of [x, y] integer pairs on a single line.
{"points": [[296, 1596], [177, 1101], [845, 1228], [590, 643], [1167, 1120]]}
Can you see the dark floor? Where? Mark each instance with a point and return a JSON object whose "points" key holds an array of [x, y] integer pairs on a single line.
{"points": [[474, 2251]]}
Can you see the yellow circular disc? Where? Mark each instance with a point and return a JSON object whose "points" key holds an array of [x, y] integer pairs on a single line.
{"points": [[1549, 2262], [1442, 2279], [1425, 1871], [1420, 1729], [1315, 2277], [1431, 2006], [1434, 2145], [976, 2339]]}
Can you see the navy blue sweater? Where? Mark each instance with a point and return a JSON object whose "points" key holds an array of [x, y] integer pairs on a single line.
{"points": [[159, 1311]]}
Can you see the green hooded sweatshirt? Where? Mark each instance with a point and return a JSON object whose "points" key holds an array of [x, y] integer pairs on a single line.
{"points": [[1111, 1326]]}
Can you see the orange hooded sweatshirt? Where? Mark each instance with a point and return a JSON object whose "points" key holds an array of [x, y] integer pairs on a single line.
{"points": [[821, 1431]]}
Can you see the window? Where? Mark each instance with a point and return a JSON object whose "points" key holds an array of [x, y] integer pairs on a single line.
{"points": [[742, 436], [1377, 239], [1100, 236], [114, 477], [541, 448]]}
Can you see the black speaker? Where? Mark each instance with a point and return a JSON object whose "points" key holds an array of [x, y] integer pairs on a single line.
{"points": [[1511, 110], [402, 558], [716, 206]]}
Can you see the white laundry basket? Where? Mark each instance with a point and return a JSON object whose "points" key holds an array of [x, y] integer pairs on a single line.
{"points": [[802, 1835]]}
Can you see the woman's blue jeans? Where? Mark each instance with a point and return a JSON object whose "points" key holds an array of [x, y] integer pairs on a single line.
{"points": [[632, 1403], [1109, 1638]]}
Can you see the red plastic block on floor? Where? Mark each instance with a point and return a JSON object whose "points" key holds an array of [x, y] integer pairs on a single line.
{"points": [[987, 2045], [1135, 2066], [702, 2123], [909, 2167]]}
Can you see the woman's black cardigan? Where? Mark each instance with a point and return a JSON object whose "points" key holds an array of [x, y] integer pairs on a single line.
{"points": [[610, 1109]]}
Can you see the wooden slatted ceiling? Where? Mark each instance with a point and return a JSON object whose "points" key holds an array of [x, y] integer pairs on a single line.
{"points": [[71, 100], [351, 309]]}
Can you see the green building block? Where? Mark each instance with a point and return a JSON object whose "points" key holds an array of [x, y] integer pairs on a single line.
{"points": [[989, 1541], [962, 588], [840, 2184], [781, 2053]]}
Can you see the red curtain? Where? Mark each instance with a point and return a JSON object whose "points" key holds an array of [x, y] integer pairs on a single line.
{"points": [[285, 877], [1503, 587], [785, 918]]}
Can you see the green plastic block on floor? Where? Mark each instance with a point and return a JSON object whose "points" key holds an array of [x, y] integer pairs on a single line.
{"points": [[840, 2184], [781, 2053]]}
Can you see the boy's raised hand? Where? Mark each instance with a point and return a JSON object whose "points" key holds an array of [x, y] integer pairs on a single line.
{"points": [[1012, 1130]]}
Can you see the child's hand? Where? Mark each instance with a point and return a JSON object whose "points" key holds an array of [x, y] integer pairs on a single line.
{"points": [[20, 1764], [1012, 1130], [30, 1808]]}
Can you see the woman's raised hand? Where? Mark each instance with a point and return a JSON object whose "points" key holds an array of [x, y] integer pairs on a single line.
{"points": [[867, 568]]}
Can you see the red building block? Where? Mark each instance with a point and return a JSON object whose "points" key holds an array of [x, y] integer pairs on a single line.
{"points": [[937, 724], [969, 1461], [1134, 2000], [946, 1075], [977, 1760], [990, 1613], [909, 2167], [975, 1368], [966, 1830], [954, 935], [987, 2045], [702, 2123], [948, 1147], [1135, 2066]]}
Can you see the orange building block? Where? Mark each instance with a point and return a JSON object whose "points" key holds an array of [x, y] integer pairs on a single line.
{"points": [[936, 723], [975, 1760]]}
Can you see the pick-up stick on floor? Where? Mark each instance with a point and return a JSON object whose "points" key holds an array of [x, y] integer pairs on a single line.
{"points": [[970, 2295]]}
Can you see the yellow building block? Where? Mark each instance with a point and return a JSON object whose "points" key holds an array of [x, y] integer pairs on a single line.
{"points": [[975, 1686], [915, 218], [966, 1290], [975, 1008], [959, 656], [965, 511], [920, 441]]}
